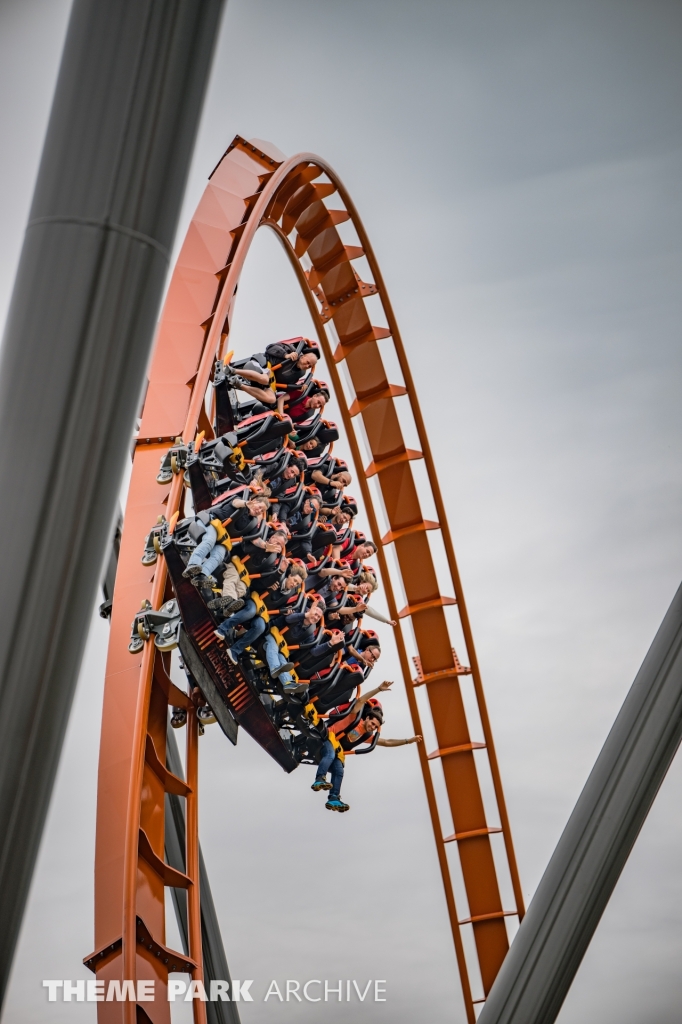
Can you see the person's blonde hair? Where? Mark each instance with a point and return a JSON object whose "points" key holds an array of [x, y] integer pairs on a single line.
{"points": [[368, 577], [264, 491]]}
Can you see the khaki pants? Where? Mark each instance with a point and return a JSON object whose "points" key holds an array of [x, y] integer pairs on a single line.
{"points": [[232, 585]]}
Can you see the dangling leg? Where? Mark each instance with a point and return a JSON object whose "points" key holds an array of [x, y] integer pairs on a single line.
{"points": [[326, 761]]}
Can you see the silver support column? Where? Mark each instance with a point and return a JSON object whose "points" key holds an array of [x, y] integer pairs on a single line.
{"points": [[582, 874], [77, 342]]}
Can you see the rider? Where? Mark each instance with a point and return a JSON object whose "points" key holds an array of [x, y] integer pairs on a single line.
{"points": [[266, 555], [300, 409], [277, 597], [211, 551], [284, 484], [358, 724]]}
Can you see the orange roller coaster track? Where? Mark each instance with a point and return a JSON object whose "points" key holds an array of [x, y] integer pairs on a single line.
{"points": [[255, 186]]}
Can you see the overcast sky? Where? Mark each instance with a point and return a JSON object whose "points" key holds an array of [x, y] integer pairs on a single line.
{"points": [[517, 165]]}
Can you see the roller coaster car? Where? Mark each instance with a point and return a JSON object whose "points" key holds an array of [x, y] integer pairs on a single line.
{"points": [[262, 433], [219, 462], [291, 497], [208, 664], [296, 393], [229, 410], [272, 464], [313, 582], [316, 429], [315, 539], [338, 713], [335, 687], [217, 466], [246, 692]]}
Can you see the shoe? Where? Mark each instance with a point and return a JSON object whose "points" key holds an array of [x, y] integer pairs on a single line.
{"points": [[216, 632], [319, 784], [294, 689], [288, 666], [334, 803], [178, 718], [191, 570], [226, 605], [233, 657], [204, 581]]}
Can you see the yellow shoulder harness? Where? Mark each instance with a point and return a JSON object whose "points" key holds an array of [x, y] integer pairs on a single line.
{"points": [[260, 607], [280, 641], [241, 570], [340, 752]]}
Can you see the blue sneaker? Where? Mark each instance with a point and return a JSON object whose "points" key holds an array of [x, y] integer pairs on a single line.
{"points": [[335, 803], [319, 784]]}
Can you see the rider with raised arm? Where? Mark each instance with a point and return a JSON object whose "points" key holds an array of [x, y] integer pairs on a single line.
{"points": [[359, 725]]}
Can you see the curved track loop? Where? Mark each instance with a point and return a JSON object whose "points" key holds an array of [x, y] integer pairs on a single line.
{"points": [[254, 185]]}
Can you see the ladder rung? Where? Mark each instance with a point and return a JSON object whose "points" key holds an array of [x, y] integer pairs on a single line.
{"points": [[345, 347], [405, 531], [422, 606], [444, 673], [171, 783], [169, 875], [360, 404], [457, 669], [489, 917], [457, 837], [455, 750], [170, 958], [392, 460]]}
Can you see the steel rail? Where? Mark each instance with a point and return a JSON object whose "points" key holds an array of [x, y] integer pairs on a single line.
{"points": [[447, 540], [393, 611], [255, 186], [127, 889], [213, 952], [466, 629], [134, 800]]}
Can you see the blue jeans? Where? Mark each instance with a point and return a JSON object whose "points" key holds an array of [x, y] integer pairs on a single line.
{"points": [[243, 615], [275, 658], [328, 761], [208, 554], [252, 634]]}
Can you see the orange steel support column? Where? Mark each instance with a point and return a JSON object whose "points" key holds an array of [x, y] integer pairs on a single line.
{"points": [[254, 185]]}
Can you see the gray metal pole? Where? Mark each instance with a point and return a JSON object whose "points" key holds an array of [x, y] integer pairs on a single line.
{"points": [[596, 843], [111, 180], [215, 961]]}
